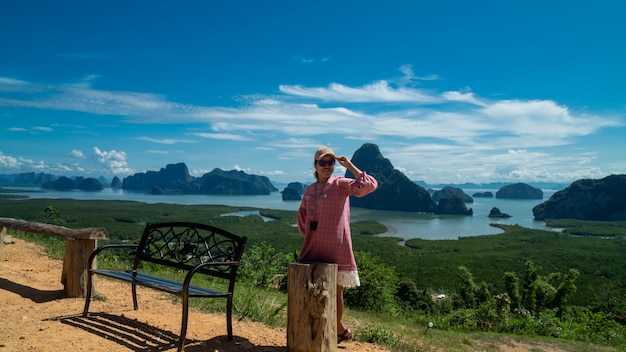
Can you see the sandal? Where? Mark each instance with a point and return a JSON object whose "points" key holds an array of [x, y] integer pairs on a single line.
{"points": [[345, 336]]}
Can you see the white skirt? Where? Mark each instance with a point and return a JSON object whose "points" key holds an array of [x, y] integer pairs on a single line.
{"points": [[348, 278]]}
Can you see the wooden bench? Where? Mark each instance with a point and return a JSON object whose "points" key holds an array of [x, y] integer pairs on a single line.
{"points": [[79, 244], [190, 247]]}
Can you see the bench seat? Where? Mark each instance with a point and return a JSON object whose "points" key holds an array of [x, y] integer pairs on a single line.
{"points": [[161, 284]]}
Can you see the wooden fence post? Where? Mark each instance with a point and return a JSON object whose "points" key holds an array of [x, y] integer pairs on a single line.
{"points": [[311, 310], [75, 266], [79, 243], [3, 231]]}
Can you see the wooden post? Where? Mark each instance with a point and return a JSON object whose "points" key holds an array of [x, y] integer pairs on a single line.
{"points": [[312, 307], [79, 243], [75, 266], [3, 232]]}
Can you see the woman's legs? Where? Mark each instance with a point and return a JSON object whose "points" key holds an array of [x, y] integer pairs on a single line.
{"points": [[340, 327], [343, 333]]}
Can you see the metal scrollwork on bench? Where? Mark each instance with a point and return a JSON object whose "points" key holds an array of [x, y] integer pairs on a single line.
{"points": [[188, 246]]}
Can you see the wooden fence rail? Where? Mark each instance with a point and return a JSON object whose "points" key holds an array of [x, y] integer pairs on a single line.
{"points": [[79, 243]]}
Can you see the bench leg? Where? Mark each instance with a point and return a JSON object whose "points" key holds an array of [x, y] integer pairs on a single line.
{"points": [[134, 289], [229, 317], [183, 325], [88, 294]]}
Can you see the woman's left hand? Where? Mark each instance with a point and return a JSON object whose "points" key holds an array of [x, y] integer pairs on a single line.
{"points": [[343, 161]]}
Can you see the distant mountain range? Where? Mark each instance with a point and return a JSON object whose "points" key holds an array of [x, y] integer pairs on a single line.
{"points": [[174, 178], [38, 179], [494, 185], [601, 199]]}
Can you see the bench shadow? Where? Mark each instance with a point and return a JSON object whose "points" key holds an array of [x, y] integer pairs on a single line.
{"points": [[138, 336], [35, 295]]}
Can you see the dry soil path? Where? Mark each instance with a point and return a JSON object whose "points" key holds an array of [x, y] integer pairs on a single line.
{"points": [[35, 316]]}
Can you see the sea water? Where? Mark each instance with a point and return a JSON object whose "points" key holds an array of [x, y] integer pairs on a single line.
{"points": [[405, 225]]}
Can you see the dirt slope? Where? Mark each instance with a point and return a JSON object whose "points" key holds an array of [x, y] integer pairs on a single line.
{"points": [[35, 316]]}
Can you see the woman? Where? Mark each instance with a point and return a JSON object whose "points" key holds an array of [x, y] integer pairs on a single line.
{"points": [[324, 221]]}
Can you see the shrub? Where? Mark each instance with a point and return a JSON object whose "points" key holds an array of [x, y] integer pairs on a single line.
{"points": [[262, 265], [378, 285], [378, 335]]}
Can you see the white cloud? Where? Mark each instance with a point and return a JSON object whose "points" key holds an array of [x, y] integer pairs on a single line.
{"points": [[496, 165], [379, 91], [8, 161], [164, 140], [115, 161], [8, 84], [221, 136], [418, 126], [462, 97], [62, 168], [75, 153], [508, 123], [312, 60], [410, 78]]}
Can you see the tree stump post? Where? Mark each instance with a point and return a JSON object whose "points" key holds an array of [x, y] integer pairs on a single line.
{"points": [[3, 231], [312, 307], [79, 243], [75, 266]]}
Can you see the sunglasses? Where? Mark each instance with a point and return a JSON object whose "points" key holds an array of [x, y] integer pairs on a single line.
{"points": [[323, 163]]}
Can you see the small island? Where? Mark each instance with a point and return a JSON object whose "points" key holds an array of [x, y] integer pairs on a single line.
{"points": [[496, 213]]}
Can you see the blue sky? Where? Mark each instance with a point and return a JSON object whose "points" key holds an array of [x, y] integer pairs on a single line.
{"points": [[451, 91]]}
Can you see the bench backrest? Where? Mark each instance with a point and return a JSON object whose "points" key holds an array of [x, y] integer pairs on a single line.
{"points": [[184, 245]]}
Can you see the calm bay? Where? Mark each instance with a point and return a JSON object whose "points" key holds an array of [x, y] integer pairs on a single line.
{"points": [[405, 225]]}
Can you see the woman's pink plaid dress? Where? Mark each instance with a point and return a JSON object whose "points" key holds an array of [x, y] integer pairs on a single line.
{"points": [[328, 204]]}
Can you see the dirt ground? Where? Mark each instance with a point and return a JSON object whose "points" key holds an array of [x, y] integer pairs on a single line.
{"points": [[35, 315]]}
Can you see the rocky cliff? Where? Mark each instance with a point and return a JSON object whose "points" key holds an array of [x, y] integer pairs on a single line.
{"points": [[293, 191], [116, 183], [30, 178], [496, 213], [587, 199], [485, 194], [519, 191], [175, 178], [234, 182], [395, 190], [449, 191], [172, 177], [67, 184], [452, 205]]}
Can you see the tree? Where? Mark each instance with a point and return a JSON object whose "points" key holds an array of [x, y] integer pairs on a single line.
{"points": [[468, 289], [262, 265], [408, 295], [379, 284], [482, 293], [511, 287], [529, 295], [544, 294], [565, 290], [52, 215], [610, 299]]}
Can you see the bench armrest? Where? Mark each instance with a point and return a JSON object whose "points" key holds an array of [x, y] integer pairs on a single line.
{"points": [[193, 271], [108, 247]]}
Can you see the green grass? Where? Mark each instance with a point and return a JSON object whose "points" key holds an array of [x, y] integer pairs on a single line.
{"points": [[399, 333], [432, 265], [589, 228], [411, 334]]}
